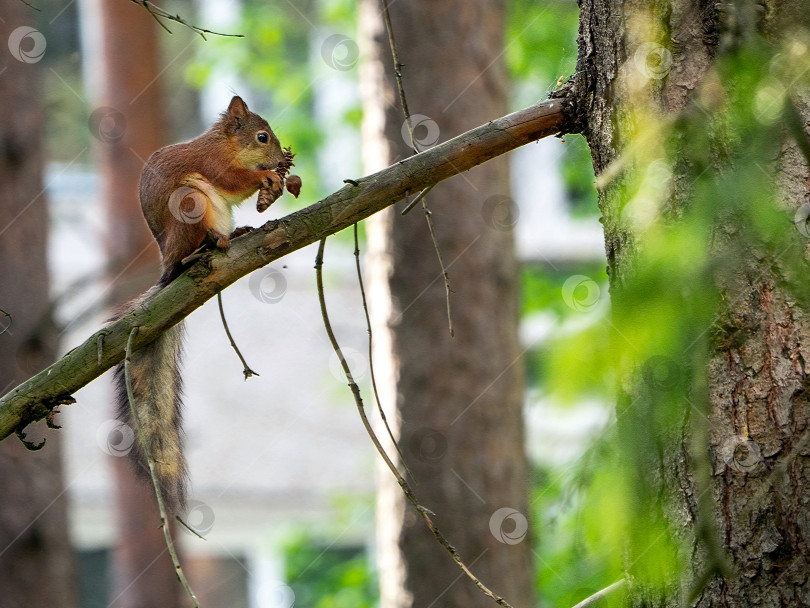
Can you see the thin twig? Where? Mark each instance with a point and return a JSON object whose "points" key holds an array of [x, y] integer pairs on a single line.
{"points": [[447, 290], [189, 528], [149, 10], [29, 5], [401, 88], [599, 595], [150, 461], [247, 371], [418, 198], [398, 72], [159, 13], [371, 354], [406, 489]]}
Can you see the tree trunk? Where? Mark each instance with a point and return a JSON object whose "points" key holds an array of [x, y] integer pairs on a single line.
{"points": [[36, 562], [129, 126], [754, 426], [458, 399]]}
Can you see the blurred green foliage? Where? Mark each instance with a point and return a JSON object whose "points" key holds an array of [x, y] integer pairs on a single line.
{"points": [[547, 293], [328, 576], [541, 53], [541, 41], [573, 561], [577, 176], [542, 288], [273, 58]]}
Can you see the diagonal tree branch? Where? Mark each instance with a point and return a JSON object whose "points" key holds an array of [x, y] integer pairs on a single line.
{"points": [[35, 398]]}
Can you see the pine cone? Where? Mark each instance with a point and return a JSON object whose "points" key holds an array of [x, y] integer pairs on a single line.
{"points": [[270, 191]]}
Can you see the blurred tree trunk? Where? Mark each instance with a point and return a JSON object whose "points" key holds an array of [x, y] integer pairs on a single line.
{"points": [[458, 399], [129, 128], [759, 470], [128, 125], [36, 561]]}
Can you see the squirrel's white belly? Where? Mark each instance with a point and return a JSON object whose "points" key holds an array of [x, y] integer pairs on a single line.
{"points": [[222, 205]]}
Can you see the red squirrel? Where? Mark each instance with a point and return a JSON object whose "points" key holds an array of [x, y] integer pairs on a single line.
{"points": [[187, 194]]}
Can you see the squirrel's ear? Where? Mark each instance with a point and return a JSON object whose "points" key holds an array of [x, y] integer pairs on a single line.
{"points": [[238, 108]]}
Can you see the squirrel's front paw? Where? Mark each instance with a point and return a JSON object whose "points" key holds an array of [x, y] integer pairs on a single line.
{"points": [[240, 231], [220, 240]]}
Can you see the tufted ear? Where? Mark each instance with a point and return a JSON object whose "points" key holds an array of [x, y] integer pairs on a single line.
{"points": [[238, 108]]}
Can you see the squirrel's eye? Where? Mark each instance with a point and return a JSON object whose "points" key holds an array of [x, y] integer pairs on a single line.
{"points": [[262, 137]]}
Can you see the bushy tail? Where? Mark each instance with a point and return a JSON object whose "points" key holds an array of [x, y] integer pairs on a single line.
{"points": [[154, 373]]}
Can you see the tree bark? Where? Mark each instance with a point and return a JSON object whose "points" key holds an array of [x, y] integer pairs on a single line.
{"points": [[36, 560], [458, 399], [757, 403]]}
